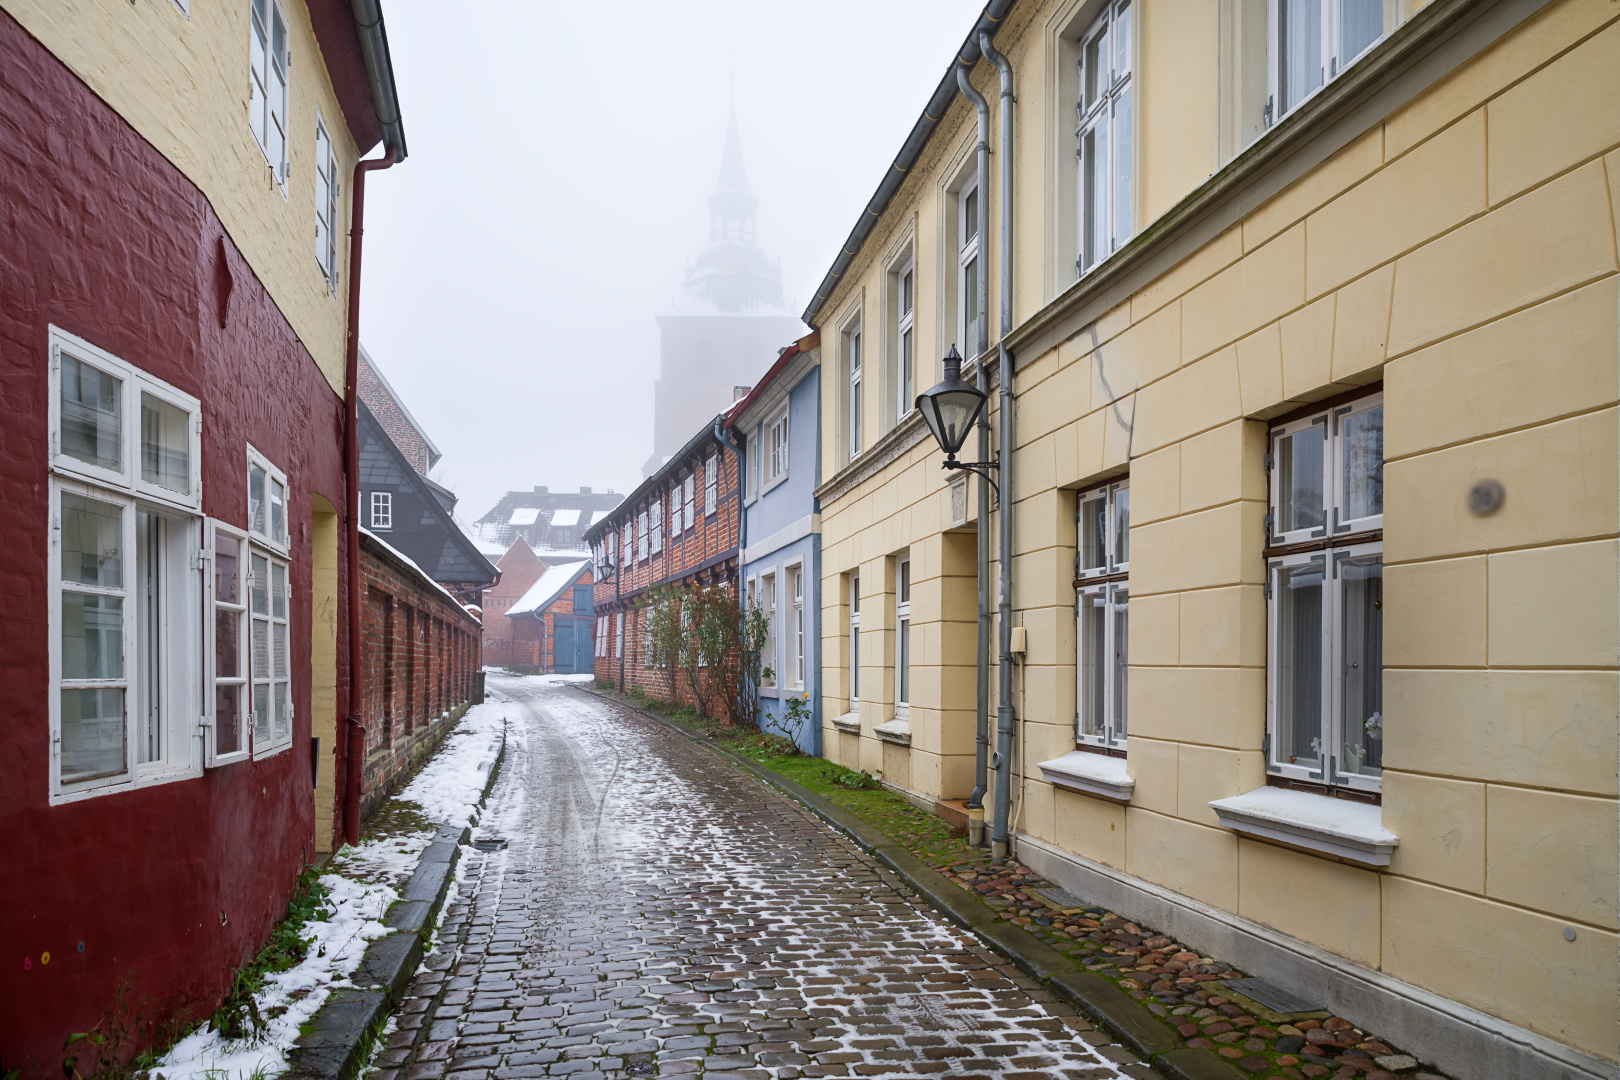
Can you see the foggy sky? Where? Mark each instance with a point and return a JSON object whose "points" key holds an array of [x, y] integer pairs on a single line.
{"points": [[554, 192]]}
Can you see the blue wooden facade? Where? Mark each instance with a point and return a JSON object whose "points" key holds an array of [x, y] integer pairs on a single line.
{"points": [[779, 424]]}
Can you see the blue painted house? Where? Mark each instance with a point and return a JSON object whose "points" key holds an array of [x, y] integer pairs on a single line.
{"points": [[779, 426]]}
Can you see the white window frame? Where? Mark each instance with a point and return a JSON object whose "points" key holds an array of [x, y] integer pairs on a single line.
{"points": [[213, 605], [767, 603], [689, 499], [641, 536], [904, 283], [854, 588], [133, 383], [618, 635], [628, 544], [775, 431], [793, 594], [327, 189], [1333, 63], [382, 510], [1332, 552], [655, 522], [1113, 598], [280, 545], [1105, 586], [902, 638], [675, 511], [267, 83], [178, 658], [853, 365], [1115, 501], [1105, 213], [970, 322], [1336, 521], [711, 484]]}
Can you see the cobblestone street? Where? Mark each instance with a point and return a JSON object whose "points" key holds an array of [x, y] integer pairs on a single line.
{"points": [[654, 911]]}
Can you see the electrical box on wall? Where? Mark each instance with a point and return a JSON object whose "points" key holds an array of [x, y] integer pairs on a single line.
{"points": [[1020, 641]]}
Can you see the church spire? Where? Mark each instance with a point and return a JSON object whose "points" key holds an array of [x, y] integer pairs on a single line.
{"points": [[732, 203]]}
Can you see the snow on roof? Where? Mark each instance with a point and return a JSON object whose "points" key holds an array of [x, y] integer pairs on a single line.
{"points": [[490, 550], [410, 562], [550, 586], [524, 515], [565, 517]]}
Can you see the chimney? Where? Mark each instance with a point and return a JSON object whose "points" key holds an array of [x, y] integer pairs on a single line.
{"points": [[584, 491], [739, 392], [540, 490]]}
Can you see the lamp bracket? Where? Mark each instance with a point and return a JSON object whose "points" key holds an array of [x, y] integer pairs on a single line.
{"points": [[986, 469]]}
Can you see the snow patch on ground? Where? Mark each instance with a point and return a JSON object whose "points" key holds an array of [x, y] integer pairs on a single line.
{"points": [[561, 680], [387, 861], [335, 949], [451, 783]]}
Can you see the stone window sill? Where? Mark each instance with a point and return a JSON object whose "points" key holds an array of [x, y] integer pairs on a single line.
{"points": [[1349, 830], [849, 722], [895, 731], [1094, 774]]}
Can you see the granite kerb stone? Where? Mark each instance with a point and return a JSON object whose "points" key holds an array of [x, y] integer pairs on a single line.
{"points": [[340, 1036]]}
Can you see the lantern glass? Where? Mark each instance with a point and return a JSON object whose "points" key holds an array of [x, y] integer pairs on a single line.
{"points": [[951, 407]]}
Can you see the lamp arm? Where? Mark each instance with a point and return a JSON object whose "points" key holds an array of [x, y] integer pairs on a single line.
{"points": [[986, 469]]}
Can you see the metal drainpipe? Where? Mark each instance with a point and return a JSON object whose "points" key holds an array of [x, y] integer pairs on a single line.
{"points": [[355, 745], [999, 838], [981, 734]]}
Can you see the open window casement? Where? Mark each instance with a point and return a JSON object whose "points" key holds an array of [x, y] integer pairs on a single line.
{"points": [[225, 669], [269, 651]]}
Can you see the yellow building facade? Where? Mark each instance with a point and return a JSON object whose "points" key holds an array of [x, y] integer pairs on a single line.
{"points": [[1304, 317]]}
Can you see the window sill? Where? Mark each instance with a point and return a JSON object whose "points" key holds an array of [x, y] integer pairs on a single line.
{"points": [[895, 731], [1093, 774], [849, 723], [1349, 830]]}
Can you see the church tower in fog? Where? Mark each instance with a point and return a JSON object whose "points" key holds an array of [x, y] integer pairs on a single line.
{"points": [[724, 328]]}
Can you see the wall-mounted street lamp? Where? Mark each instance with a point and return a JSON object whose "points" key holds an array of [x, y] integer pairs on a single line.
{"points": [[950, 410]]}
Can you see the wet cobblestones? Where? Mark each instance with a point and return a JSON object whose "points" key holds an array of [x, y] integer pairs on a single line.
{"points": [[658, 913]]}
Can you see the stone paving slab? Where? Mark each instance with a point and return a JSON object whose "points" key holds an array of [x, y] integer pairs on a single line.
{"points": [[656, 912]]}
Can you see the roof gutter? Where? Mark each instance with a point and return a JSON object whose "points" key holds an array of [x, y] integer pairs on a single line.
{"points": [[368, 24], [994, 12]]}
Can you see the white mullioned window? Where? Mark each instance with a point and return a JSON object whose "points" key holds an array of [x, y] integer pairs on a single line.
{"points": [[618, 634], [382, 510], [641, 536], [327, 186], [1102, 615], [655, 521], [268, 60], [689, 499], [776, 449], [970, 322], [768, 658], [124, 575], [675, 511], [627, 545], [711, 484], [269, 591], [228, 659], [1324, 591], [852, 354], [795, 598], [902, 638], [854, 588], [906, 341], [1106, 135], [1309, 42]]}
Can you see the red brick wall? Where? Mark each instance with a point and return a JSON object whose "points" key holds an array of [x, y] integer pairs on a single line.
{"points": [[520, 568], [393, 419], [707, 553], [422, 651]]}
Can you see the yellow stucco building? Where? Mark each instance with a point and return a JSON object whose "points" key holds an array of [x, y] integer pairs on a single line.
{"points": [[1308, 299]]}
